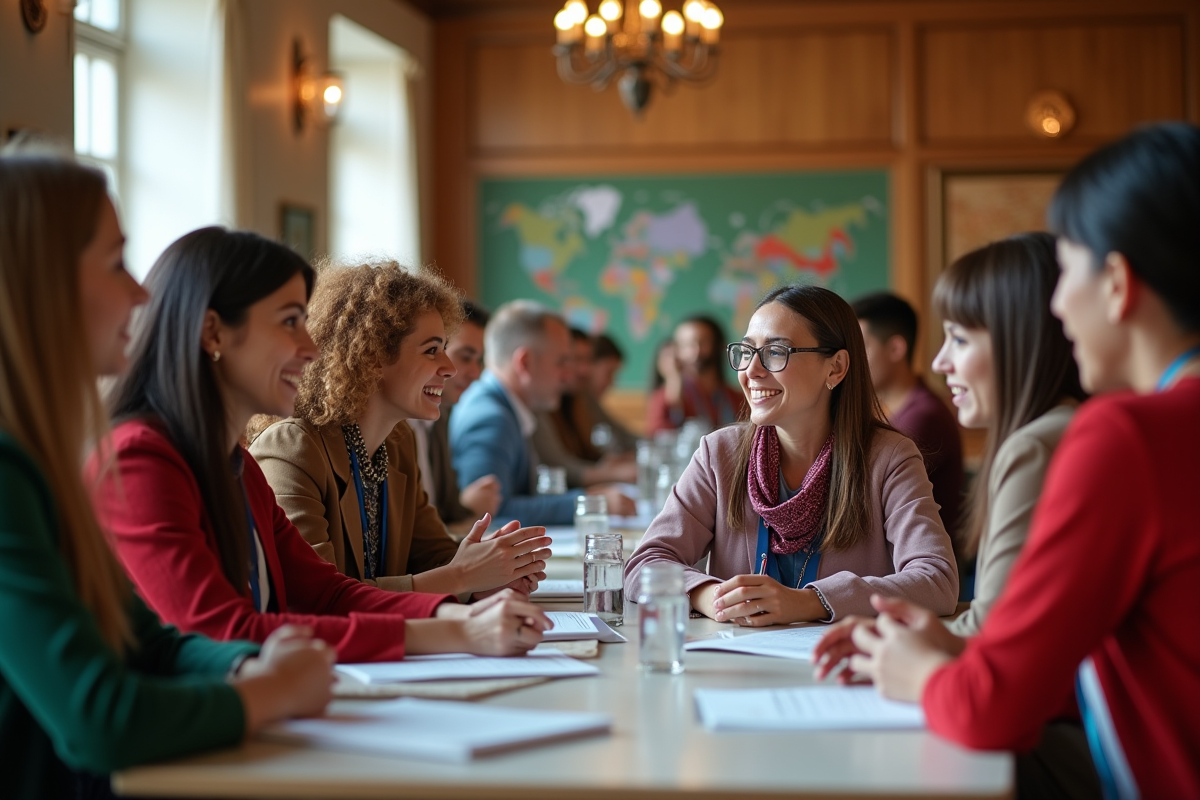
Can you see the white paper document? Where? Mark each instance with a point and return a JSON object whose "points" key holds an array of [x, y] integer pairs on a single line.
{"points": [[795, 643], [558, 590], [806, 708], [576, 625], [452, 666], [436, 730]]}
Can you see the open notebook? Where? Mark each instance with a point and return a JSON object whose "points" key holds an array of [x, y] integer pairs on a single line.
{"points": [[452, 666], [805, 708], [436, 730]]}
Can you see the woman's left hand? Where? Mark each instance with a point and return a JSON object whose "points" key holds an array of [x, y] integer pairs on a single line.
{"points": [[758, 600]]}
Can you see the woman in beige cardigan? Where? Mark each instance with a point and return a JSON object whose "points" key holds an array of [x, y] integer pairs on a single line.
{"points": [[861, 518], [1010, 371], [344, 469]]}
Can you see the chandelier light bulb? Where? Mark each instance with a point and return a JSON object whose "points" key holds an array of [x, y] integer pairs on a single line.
{"points": [[694, 10], [650, 9], [578, 11], [672, 23], [713, 19], [595, 27], [564, 20], [610, 10]]}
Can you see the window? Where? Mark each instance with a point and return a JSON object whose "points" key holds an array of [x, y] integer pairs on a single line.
{"points": [[99, 56]]}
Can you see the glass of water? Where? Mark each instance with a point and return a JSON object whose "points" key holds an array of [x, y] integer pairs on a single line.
{"points": [[591, 516], [551, 480], [604, 577], [662, 617]]}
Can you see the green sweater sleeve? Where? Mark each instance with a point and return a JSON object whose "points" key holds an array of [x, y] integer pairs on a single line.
{"points": [[101, 712], [163, 650]]}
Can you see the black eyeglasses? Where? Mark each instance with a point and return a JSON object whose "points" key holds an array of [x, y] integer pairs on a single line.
{"points": [[773, 357]]}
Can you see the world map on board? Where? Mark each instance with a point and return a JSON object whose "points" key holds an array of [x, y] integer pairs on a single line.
{"points": [[632, 257]]}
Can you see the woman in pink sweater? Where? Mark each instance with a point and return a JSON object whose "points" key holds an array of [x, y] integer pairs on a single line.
{"points": [[861, 516]]}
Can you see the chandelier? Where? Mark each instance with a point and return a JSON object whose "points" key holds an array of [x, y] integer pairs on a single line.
{"points": [[638, 42]]}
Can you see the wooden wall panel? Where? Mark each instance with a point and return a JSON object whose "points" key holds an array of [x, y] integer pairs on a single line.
{"points": [[977, 81], [811, 88]]}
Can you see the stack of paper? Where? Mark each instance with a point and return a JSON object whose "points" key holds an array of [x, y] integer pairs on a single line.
{"points": [[558, 591], [449, 666], [438, 730], [807, 708], [782, 643], [575, 625]]}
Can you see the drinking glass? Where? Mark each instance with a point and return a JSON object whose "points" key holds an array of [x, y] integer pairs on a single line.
{"points": [[604, 577]]}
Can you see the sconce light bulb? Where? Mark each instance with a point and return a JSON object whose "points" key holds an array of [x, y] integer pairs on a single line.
{"points": [[595, 27], [1051, 126], [713, 19], [610, 10], [694, 10], [650, 9], [672, 23], [333, 95], [578, 11]]}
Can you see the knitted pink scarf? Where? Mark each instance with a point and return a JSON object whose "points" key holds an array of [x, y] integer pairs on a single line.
{"points": [[794, 523]]}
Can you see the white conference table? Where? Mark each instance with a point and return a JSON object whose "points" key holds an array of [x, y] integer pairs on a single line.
{"points": [[657, 749]]}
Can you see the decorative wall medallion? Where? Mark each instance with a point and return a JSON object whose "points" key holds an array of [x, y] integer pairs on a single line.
{"points": [[34, 14]]}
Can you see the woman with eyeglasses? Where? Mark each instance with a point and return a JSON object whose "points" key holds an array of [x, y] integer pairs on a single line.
{"points": [[815, 503]]}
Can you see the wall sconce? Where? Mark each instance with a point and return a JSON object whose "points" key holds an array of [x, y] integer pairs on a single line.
{"points": [[1050, 115], [313, 97]]}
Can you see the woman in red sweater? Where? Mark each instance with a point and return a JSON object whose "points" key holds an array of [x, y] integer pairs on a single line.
{"points": [[1101, 605], [193, 519]]}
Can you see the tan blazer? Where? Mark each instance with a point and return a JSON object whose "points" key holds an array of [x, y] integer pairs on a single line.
{"points": [[309, 469], [1014, 487]]}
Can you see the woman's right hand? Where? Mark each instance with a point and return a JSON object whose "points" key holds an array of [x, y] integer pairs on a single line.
{"points": [[488, 562], [504, 624], [292, 676]]}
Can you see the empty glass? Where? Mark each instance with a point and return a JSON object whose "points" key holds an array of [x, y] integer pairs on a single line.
{"points": [[662, 617]]}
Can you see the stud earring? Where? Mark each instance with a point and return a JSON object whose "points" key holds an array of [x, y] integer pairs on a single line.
{"points": [[828, 386], [216, 356]]}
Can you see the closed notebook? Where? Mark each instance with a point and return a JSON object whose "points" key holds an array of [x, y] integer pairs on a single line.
{"points": [[805, 708], [436, 730], [456, 666]]}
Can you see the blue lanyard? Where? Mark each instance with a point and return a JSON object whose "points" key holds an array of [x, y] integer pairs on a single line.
{"points": [[762, 553], [255, 592], [1167, 377], [370, 570]]}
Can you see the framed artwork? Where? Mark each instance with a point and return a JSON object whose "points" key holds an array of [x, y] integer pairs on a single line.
{"points": [[296, 226]]}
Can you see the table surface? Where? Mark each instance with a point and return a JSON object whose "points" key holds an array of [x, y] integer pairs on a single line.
{"points": [[657, 748]]}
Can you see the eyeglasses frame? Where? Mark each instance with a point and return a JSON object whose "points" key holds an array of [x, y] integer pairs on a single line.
{"points": [[826, 351]]}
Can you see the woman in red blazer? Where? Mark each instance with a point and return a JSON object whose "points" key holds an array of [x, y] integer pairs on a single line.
{"points": [[193, 519]]}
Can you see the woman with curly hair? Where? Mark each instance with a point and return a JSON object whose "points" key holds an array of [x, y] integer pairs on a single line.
{"points": [[344, 468], [192, 517]]}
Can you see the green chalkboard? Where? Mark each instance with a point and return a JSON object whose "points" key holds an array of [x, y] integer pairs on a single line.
{"points": [[634, 255]]}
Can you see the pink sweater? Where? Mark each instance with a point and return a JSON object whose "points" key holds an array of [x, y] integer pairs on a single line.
{"points": [[906, 552]]}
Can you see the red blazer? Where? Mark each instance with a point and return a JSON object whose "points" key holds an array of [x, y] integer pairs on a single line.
{"points": [[162, 532]]}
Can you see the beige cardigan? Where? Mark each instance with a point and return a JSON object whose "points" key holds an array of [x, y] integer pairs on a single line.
{"points": [[309, 469], [1014, 487], [906, 552]]}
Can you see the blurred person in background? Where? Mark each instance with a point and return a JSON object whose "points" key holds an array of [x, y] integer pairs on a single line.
{"points": [[694, 385]]}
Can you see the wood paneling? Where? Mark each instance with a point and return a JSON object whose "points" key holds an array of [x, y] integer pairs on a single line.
{"points": [[795, 88], [977, 81]]}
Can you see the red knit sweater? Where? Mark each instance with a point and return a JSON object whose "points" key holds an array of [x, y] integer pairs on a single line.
{"points": [[1111, 570], [164, 537]]}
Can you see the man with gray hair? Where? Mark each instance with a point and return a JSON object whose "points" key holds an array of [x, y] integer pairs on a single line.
{"points": [[528, 354]]}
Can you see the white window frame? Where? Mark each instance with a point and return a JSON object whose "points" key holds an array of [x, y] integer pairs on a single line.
{"points": [[95, 42]]}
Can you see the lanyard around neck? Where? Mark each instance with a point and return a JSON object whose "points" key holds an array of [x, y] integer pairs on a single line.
{"points": [[370, 571], [1168, 377]]}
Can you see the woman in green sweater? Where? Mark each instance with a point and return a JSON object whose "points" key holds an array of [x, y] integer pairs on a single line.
{"points": [[90, 682]]}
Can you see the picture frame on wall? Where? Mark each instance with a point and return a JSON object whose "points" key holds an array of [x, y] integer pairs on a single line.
{"points": [[297, 224]]}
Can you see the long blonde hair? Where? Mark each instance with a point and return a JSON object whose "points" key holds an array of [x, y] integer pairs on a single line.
{"points": [[49, 208]]}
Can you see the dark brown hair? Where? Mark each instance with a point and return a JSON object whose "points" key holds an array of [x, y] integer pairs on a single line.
{"points": [[1005, 289], [853, 409], [170, 377]]}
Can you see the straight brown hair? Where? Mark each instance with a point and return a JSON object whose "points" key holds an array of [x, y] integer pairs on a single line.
{"points": [[49, 210], [853, 409], [1005, 289]]}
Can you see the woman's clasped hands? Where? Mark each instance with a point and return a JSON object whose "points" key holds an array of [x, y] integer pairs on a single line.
{"points": [[898, 651], [758, 600]]}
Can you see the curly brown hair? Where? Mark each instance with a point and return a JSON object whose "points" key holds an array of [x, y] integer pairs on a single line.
{"points": [[358, 316]]}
